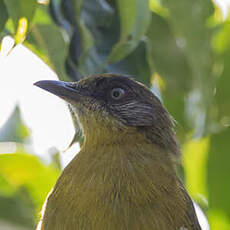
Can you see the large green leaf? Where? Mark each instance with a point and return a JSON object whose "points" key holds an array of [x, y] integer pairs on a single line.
{"points": [[80, 37], [223, 92], [134, 21], [165, 56], [127, 12], [169, 61], [92, 23], [27, 174], [18, 209], [41, 15], [121, 50], [142, 20], [14, 129], [6, 188], [218, 177], [3, 15], [189, 23], [77, 7], [18, 9], [188, 19], [102, 21], [49, 42], [140, 70], [221, 44], [221, 39], [195, 152]]}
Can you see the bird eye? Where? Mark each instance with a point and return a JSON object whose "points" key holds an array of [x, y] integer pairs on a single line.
{"points": [[117, 93]]}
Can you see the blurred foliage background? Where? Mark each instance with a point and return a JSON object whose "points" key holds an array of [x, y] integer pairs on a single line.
{"points": [[180, 49]]}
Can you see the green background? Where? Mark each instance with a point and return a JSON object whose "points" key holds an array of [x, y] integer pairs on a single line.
{"points": [[181, 49]]}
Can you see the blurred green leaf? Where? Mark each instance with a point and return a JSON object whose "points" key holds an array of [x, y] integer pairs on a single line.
{"points": [[6, 225], [218, 220], [99, 33], [140, 71], [41, 15], [142, 20], [157, 7], [3, 15], [21, 30], [127, 13], [49, 41], [14, 129], [221, 39], [188, 20], [196, 151], [18, 9], [163, 51], [221, 44], [24, 170], [134, 19], [77, 7], [222, 90], [167, 59], [9, 27], [86, 38], [5, 188], [121, 50], [18, 209], [190, 23], [218, 173]]}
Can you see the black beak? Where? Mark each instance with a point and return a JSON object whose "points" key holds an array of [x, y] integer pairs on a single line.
{"points": [[65, 90]]}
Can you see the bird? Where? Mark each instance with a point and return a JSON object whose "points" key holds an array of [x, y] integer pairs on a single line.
{"points": [[125, 174]]}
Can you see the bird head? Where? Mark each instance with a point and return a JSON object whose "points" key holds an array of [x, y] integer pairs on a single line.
{"points": [[115, 105]]}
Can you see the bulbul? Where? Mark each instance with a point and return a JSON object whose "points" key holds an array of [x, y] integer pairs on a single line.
{"points": [[124, 177]]}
